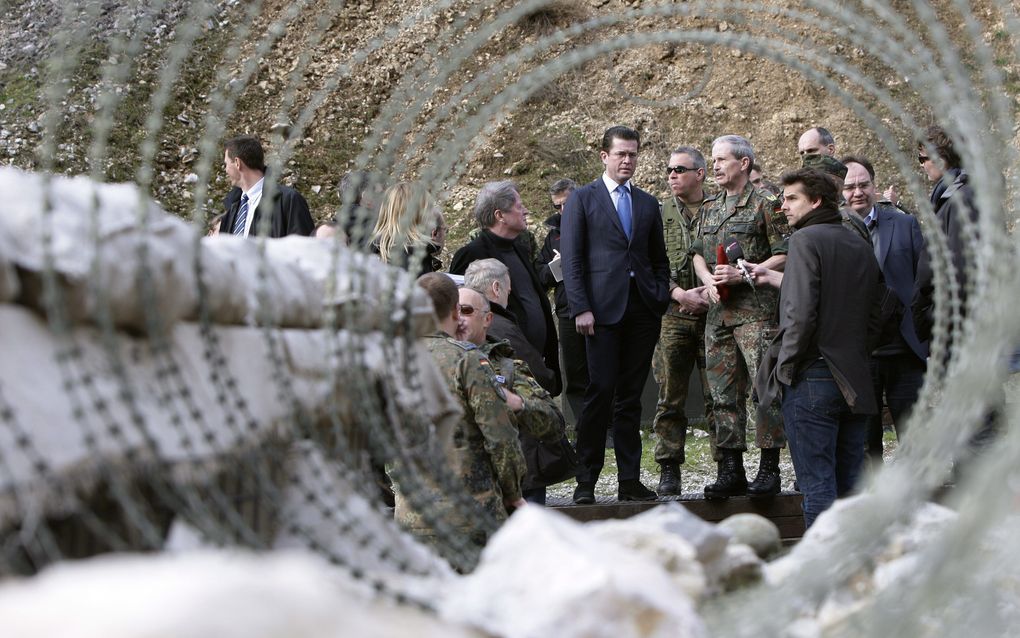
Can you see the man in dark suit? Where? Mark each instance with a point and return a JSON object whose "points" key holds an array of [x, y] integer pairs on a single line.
{"points": [[898, 367], [245, 207], [829, 315], [616, 274]]}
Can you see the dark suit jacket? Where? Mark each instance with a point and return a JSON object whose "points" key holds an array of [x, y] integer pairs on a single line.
{"points": [[288, 213], [952, 198], [483, 247], [901, 248], [552, 243], [504, 327], [829, 307], [598, 259]]}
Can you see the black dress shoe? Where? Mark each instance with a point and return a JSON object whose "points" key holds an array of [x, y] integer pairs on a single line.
{"points": [[633, 490], [584, 493]]}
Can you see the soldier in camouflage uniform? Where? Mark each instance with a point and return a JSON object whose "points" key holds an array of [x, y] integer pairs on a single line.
{"points": [[741, 325], [682, 337], [535, 412], [488, 457]]}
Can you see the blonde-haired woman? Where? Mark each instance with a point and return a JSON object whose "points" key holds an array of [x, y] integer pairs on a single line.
{"points": [[410, 226]]}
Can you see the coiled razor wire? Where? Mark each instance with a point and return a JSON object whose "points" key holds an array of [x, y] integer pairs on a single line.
{"points": [[435, 106]]}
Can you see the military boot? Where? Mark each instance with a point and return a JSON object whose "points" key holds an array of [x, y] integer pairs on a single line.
{"points": [[669, 480], [766, 484], [731, 480]]}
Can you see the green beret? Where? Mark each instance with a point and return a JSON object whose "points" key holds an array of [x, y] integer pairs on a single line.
{"points": [[825, 163]]}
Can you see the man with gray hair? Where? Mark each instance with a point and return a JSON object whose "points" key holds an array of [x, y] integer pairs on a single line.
{"points": [[503, 217], [491, 277], [741, 319]]}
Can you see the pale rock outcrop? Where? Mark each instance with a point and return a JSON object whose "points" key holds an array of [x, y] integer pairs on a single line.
{"points": [[543, 574], [101, 235], [893, 568], [755, 531], [118, 258], [201, 594]]}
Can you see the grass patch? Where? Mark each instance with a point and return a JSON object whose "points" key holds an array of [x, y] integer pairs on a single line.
{"points": [[18, 91]]}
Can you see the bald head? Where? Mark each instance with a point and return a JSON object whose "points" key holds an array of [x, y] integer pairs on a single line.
{"points": [[816, 141], [475, 316]]}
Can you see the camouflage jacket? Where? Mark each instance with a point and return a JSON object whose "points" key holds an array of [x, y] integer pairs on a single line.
{"points": [[541, 417], [488, 454], [762, 231], [680, 227]]}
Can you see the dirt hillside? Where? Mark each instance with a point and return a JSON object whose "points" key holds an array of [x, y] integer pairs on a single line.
{"points": [[340, 73]]}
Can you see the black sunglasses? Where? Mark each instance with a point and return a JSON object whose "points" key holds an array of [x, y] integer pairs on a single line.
{"points": [[466, 310], [558, 206], [679, 170], [921, 159]]}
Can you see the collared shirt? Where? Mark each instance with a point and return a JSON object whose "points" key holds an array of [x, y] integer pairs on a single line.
{"points": [[254, 197], [612, 185], [871, 221]]}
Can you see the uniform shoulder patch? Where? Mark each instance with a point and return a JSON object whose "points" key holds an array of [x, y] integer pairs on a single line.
{"points": [[463, 345]]}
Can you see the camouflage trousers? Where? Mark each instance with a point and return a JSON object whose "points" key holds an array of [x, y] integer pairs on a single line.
{"points": [[732, 355], [681, 346]]}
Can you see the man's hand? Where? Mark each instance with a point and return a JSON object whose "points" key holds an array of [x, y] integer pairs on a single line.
{"points": [[891, 194], [513, 401], [766, 276], [711, 293], [585, 323], [726, 275], [692, 301]]}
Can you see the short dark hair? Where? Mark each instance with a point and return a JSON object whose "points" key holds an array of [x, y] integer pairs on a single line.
{"points": [[756, 167], [846, 159], [619, 133], [937, 137], [824, 136], [248, 149], [817, 185], [442, 291], [564, 185], [693, 153]]}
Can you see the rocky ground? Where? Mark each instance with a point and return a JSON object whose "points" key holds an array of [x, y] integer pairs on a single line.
{"points": [[698, 470], [672, 92]]}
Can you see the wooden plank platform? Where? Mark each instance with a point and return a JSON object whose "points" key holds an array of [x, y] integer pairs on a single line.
{"points": [[783, 510]]}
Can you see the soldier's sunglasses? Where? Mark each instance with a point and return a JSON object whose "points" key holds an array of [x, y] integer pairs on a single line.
{"points": [[467, 310], [679, 170]]}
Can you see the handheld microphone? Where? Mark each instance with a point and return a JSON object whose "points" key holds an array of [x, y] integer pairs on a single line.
{"points": [[722, 260], [735, 254]]}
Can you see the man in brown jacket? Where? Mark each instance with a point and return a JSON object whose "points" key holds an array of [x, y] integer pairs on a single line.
{"points": [[829, 315]]}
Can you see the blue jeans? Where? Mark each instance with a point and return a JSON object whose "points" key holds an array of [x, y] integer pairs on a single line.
{"points": [[826, 439]]}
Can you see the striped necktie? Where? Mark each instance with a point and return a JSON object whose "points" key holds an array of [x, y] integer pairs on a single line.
{"points": [[242, 217]]}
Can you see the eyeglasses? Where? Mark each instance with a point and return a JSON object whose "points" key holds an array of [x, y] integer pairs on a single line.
{"points": [[558, 206], [921, 159], [466, 310], [849, 188], [679, 170]]}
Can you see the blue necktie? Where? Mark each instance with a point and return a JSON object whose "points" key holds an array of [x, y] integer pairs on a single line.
{"points": [[242, 217], [623, 209]]}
